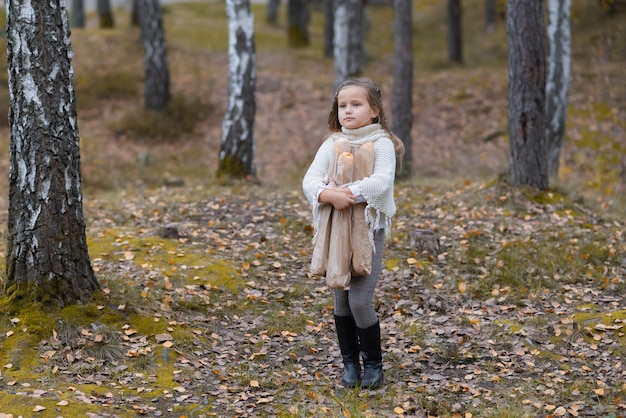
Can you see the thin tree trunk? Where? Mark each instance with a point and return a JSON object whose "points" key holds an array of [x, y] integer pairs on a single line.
{"points": [[78, 14], [236, 157], [557, 79], [490, 15], [272, 11], [297, 24], [157, 78], [527, 127], [402, 97], [106, 14], [341, 43], [356, 35], [455, 35], [47, 258], [329, 21]]}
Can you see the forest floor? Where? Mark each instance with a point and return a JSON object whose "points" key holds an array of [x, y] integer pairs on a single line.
{"points": [[207, 307]]}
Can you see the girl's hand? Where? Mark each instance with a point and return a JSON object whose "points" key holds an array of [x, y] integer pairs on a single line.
{"points": [[341, 198]]}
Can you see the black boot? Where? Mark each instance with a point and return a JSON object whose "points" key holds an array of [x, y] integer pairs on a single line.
{"points": [[348, 344], [369, 340]]}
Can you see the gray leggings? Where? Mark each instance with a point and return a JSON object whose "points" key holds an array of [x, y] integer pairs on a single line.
{"points": [[358, 301]]}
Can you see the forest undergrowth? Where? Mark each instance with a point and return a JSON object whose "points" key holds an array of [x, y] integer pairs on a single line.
{"points": [[207, 307]]}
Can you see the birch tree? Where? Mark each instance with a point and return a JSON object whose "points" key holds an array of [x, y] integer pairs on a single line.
{"points": [[341, 43], [402, 93], [46, 257], [527, 127], [557, 79], [236, 157], [157, 75], [348, 39]]}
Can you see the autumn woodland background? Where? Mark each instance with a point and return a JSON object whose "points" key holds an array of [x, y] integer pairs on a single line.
{"points": [[207, 307]]}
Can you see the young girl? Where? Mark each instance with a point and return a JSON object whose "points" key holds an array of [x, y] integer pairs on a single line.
{"points": [[357, 116]]}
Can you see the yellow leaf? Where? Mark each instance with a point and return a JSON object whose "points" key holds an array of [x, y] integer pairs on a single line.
{"points": [[411, 260], [398, 410], [462, 286], [254, 383]]}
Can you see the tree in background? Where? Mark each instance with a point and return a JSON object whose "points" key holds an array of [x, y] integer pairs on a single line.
{"points": [[491, 15], [271, 15], [78, 13], [157, 75], [527, 127], [455, 34], [348, 53], [402, 94], [236, 157], [328, 8], [47, 259], [298, 23], [105, 13], [356, 37], [557, 79]]}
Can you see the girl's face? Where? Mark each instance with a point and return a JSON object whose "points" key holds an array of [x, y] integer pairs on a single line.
{"points": [[353, 109]]}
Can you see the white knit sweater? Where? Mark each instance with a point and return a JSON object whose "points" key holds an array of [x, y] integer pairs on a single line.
{"points": [[376, 190]]}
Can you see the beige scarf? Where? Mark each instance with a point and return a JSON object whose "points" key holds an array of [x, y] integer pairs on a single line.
{"points": [[343, 248]]}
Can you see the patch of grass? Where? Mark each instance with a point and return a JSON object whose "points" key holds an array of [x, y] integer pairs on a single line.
{"points": [[169, 126]]}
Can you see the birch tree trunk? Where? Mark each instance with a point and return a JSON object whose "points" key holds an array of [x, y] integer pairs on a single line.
{"points": [[157, 75], [557, 79], [402, 94], [527, 127], [341, 43], [236, 157], [47, 258], [105, 13], [78, 13]]}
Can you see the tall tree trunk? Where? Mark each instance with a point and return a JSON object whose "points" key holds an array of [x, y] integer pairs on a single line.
{"points": [[47, 258], [271, 15], [106, 14], [157, 78], [356, 36], [402, 97], [527, 127], [134, 13], [329, 21], [78, 14], [341, 43], [455, 34], [297, 24], [557, 79], [236, 157], [490, 15]]}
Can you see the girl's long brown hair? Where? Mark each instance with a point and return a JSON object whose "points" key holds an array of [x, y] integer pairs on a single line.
{"points": [[375, 100]]}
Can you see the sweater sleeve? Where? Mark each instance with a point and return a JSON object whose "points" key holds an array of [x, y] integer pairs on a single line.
{"points": [[316, 176], [377, 188]]}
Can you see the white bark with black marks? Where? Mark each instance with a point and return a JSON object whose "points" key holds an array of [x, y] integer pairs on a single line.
{"points": [[47, 257], [557, 79], [236, 157]]}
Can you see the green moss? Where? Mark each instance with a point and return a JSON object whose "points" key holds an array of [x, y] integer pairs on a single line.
{"points": [[169, 257]]}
